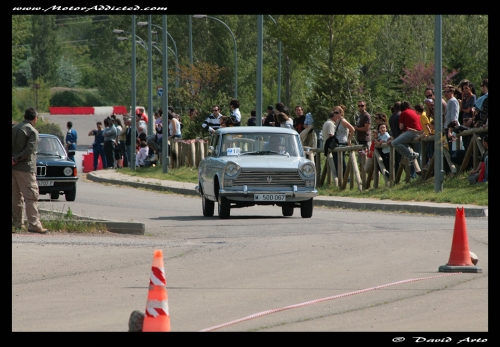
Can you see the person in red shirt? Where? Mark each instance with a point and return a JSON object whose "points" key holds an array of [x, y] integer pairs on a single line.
{"points": [[142, 115], [409, 123]]}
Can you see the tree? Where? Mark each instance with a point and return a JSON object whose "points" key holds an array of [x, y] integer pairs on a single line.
{"points": [[45, 48], [21, 34], [67, 74]]}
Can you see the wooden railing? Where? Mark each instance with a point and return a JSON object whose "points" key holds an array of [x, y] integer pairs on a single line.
{"points": [[191, 152]]}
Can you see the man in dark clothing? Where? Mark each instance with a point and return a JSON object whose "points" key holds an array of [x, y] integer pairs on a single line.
{"points": [[270, 120], [363, 125], [252, 119], [298, 122], [395, 131], [98, 146]]}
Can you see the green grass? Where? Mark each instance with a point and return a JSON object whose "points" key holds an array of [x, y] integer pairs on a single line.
{"points": [[456, 190], [67, 223]]}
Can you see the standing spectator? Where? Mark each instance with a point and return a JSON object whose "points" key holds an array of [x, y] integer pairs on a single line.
{"points": [[395, 131], [298, 121], [98, 145], [284, 120], [24, 185], [235, 112], [159, 130], [174, 127], [380, 118], [192, 114], [140, 121], [452, 110], [474, 174], [426, 127], [109, 142], [280, 107], [309, 136], [409, 123], [363, 126], [212, 122], [129, 142], [118, 146], [122, 137], [344, 132], [328, 131], [141, 115], [430, 100], [71, 139], [270, 120], [480, 108], [252, 119]]}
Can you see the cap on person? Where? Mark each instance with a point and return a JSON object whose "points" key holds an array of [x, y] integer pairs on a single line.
{"points": [[270, 107]]}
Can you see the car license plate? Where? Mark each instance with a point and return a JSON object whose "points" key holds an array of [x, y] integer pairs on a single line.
{"points": [[46, 183], [269, 197]]}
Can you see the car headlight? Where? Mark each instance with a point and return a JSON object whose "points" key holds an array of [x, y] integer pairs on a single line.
{"points": [[307, 170], [232, 169], [68, 171]]}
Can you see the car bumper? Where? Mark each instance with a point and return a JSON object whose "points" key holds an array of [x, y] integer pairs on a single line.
{"points": [[59, 185], [248, 194]]}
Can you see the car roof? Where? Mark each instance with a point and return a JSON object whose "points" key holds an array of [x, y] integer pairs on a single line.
{"points": [[48, 135], [256, 129]]}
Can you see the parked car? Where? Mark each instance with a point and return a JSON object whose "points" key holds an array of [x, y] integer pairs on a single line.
{"points": [[248, 166], [55, 173]]}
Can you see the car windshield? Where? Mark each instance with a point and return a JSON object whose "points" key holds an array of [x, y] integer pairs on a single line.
{"points": [[261, 144], [49, 146]]}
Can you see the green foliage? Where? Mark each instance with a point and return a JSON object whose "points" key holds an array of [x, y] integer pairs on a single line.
{"points": [[93, 98], [21, 32], [67, 74], [44, 127], [45, 48], [16, 112], [66, 98], [30, 97]]}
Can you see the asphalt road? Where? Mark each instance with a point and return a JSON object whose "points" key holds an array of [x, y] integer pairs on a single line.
{"points": [[346, 271]]}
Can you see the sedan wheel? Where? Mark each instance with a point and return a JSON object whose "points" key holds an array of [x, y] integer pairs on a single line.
{"points": [[287, 210], [208, 207], [306, 208], [224, 207], [70, 194]]}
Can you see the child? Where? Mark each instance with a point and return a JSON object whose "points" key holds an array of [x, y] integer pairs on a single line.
{"points": [[382, 137], [142, 154], [369, 154]]}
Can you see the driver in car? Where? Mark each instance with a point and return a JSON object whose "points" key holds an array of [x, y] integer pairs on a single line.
{"points": [[274, 145]]}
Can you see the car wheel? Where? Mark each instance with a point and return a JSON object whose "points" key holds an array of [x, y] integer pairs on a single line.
{"points": [[306, 208], [54, 195], [208, 207], [224, 207], [287, 210], [70, 194]]}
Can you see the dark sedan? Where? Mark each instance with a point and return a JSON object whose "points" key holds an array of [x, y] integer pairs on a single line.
{"points": [[55, 173]]}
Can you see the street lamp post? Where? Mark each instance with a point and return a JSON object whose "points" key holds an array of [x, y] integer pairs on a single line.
{"points": [[150, 74], [149, 24], [279, 62], [235, 61]]}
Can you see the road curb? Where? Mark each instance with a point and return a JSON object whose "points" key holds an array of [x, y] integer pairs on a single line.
{"points": [[441, 209], [132, 228], [402, 207]]}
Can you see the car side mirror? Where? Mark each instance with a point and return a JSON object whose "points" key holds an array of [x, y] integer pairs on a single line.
{"points": [[71, 153]]}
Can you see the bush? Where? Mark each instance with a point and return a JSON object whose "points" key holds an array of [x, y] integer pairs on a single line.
{"points": [[45, 127], [66, 98], [93, 99]]}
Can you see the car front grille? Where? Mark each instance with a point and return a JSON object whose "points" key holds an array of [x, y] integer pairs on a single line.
{"points": [[41, 170], [269, 179]]}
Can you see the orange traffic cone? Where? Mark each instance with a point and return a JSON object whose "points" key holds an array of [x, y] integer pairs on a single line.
{"points": [[460, 258], [157, 318]]}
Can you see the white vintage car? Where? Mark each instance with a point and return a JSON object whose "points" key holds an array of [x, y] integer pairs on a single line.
{"points": [[247, 166]]}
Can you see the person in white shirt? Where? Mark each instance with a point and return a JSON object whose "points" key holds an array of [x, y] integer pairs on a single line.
{"points": [[142, 154], [212, 122], [174, 127], [235, 112]]}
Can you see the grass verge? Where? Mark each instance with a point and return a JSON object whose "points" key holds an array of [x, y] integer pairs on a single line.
{"points": [[456, 189]]}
